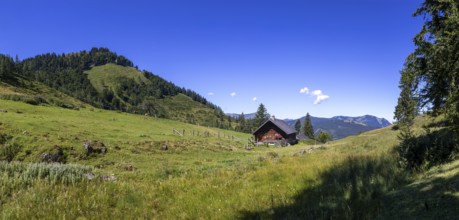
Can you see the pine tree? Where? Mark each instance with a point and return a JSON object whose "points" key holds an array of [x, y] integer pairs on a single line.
{"points": [[407, 106], [298, 126], [7, 67], [308, 130], [261, 115], [242, 124], [432, 68], [430, 79]]}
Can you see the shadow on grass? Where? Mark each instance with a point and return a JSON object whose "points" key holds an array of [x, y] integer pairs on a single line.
{"points": [[431, 198], [430, 149], [354, 189], [365, 187]]}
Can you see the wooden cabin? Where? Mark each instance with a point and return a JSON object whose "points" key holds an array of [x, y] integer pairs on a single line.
{"points": [[275, 131]]}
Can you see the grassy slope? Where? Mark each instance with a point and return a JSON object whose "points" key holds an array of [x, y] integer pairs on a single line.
{"points": [[107, 76], [179, 107], [209, 178], [26, 90], [183, 108]]}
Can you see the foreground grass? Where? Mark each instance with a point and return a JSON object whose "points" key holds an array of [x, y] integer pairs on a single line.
{"points": [[209, 177]]}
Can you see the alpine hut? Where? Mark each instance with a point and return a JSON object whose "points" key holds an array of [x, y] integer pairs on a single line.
{"points": [[275, 132]]}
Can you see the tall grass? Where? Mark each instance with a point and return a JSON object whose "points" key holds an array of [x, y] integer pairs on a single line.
{"points": [[352, 189], [54, 173]]}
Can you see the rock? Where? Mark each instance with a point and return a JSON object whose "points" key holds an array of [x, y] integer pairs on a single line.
{"points": [[261, 159], [95, 147], [3, 110], [164, 147], [108, 178], [129, 167], [89, 175], [103, 150], [59, 156], [88, 148], [45, 157]]}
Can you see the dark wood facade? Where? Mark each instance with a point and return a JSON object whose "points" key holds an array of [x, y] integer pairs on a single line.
{"points": [[275, 131]]}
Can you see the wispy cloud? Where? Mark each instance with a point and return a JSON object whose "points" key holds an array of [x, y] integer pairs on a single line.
{"points": [[210, 94], [304, 90], [254, 99], [233, 94], [320, 96]]}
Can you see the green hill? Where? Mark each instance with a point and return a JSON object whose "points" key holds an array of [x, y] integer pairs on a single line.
{"points": [[103, 79], [110, 75], [111, 78], [203, 176]]}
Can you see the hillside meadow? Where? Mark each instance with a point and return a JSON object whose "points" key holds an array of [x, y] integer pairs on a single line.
{"points": [[202, 177]]}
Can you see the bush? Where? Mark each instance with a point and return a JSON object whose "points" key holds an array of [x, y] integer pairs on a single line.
{"points": [[32, 100], [430, 149], [9, 150], [3, 138]]}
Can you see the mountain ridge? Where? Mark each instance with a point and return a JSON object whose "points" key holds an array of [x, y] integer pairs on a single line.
{"points": [[343, 126], [338, 126]]}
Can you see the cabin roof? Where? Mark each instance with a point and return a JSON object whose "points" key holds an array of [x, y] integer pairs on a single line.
{"points": [[280, 124], [302, 137]]}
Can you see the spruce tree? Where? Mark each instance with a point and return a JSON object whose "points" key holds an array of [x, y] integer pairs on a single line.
{"points": [[298, 126], [261, 115], [6, 66], [407, 106], [432, 70], [242, 124], [308, 130]]}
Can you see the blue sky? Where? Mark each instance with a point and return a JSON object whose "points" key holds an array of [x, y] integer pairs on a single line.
{"points": [[238, 53]]}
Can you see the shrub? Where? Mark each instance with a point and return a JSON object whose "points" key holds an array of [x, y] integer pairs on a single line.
{"points": [[429, 149], [32, 100], [9, 150]]}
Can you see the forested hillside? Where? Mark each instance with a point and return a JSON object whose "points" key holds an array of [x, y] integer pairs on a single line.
{"points": [[106, 80]]}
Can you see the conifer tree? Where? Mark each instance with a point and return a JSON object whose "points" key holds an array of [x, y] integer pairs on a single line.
{"points": [[298, 126], [432, 70], [242, 124], [261, 115], [308, 130]]}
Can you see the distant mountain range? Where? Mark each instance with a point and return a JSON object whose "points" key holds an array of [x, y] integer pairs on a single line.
{"points": [[246, 116], [338, 126], [344, 126]]}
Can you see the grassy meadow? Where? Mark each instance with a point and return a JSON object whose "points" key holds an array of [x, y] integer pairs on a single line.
{"points": [[106, 76], [203, 177]]}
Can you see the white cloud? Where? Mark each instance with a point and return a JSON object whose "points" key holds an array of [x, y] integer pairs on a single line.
{"points": [[304, 90], [233, 94], [317, 92], [320, 96], [254, 99], [210, 93]]}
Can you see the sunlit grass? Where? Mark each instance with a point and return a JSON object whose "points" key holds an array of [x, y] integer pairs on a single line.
{"points": [[201, 177]]}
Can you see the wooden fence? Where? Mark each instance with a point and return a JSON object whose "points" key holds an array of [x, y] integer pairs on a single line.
{"points": [[206, 134]]}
